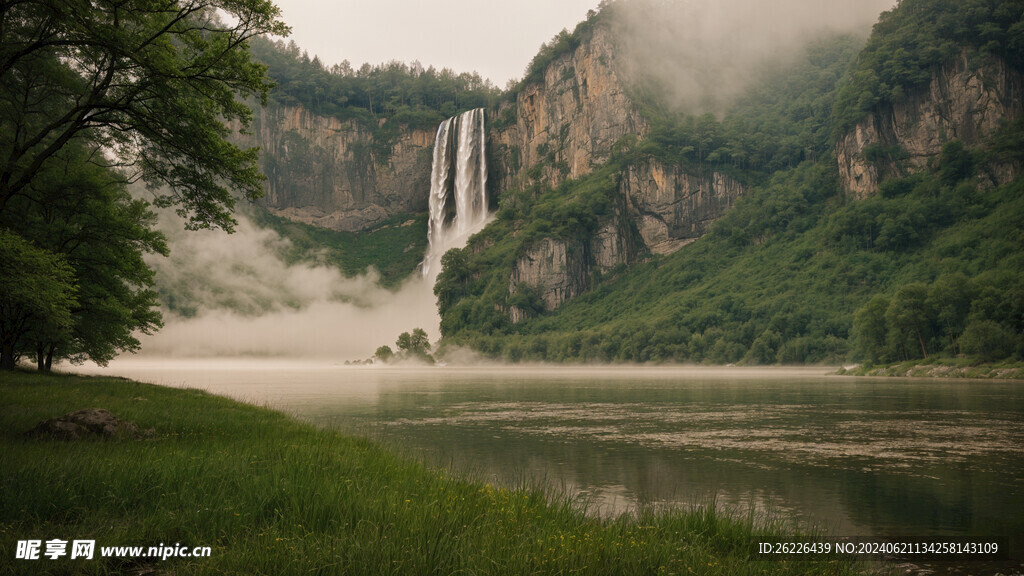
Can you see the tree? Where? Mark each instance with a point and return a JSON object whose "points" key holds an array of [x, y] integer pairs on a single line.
{"points": [[988, 340], [37, 294], [870, 330], [154, 83], [416, 344], [84, 212], [384, 353], [950, 297], [909, 320]]}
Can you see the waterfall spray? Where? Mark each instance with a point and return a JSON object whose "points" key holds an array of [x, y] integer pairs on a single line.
{"points": [[458, 186]]}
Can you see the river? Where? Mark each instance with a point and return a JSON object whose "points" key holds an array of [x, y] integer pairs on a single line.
{"points": [[863, 458]]}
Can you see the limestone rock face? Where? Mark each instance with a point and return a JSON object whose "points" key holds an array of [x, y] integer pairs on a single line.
{"points": [[555, 268], [326, 172], [573, 116], [564, 127], [673, 207], [967, 99]]}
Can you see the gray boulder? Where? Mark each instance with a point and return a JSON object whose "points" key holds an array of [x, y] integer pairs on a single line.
{"points": [[91, 422]]}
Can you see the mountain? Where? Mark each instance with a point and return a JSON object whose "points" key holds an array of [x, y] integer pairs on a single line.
{"points": [[835, 207], [855, 199], [348, 149]]}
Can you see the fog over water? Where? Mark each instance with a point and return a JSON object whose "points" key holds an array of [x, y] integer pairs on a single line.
{"points": [[873, 458], [236, 295], [242, 298]]}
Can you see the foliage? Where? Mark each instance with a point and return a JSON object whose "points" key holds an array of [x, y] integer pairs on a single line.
{"points": [[83, 211], [990, 340], [152, 83], [415, 345], [916, 37], [37, 295], [781, 121], [981, 318], [381, 98], [384, 353], [395, 248]]}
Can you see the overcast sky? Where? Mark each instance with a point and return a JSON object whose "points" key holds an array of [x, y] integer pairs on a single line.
{"points": [[496, 39]]}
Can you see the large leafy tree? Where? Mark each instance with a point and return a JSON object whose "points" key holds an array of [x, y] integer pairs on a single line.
{"points": [[151, 81], [37, 293], [85, 213], [94, 94]]}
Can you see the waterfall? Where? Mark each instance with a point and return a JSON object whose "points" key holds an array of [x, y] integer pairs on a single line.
{"points": [[458, 186]]}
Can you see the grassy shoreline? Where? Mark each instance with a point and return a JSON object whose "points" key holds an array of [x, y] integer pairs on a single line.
{"points": [[272, 495], [940, 368]]}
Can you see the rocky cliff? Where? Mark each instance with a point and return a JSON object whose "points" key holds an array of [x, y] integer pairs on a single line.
{"points": [[967, 99], [672, 207], [557, 269], [563, 127], [568, 122], [331, 173]]}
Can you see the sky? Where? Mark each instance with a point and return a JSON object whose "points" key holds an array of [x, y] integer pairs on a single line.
{"points": [[496, 39]]}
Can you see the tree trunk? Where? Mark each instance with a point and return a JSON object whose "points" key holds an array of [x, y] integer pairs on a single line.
{"points": [[7, 357], [40, 357], [49, 356], [920, 339]]}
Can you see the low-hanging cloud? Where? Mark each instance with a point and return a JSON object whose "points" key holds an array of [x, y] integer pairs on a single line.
{"points": [[237, 295], [702, 53]]}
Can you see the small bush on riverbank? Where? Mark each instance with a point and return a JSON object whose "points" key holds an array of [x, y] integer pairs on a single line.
{"points": [[274, 496]]}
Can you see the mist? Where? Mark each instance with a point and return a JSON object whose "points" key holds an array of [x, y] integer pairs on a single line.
{"points": [[699, 55], [237, 295]]}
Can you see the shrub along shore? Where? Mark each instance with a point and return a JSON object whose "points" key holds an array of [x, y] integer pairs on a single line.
{"points": [[272, 495]]}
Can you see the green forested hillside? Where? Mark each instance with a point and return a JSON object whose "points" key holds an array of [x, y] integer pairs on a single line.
{"points": [[908, 43], [397, 91], [395, 248], [796, 271], [780, 278]]}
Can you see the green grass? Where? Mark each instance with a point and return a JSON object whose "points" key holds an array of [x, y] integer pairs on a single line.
{"points": [[272, 495]]}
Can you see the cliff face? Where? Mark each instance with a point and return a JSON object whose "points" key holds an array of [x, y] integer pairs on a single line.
{"points": [[330, 173], [326, 172], [673, 207], [967, 99], [558, 269], [571, 118], [565, 126]]}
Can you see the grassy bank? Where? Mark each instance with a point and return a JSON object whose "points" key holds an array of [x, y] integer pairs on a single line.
{"points": [[271, 495], [942, 368]]}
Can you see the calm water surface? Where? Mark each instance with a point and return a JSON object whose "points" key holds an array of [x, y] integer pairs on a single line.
{"points": [[870, 458]]}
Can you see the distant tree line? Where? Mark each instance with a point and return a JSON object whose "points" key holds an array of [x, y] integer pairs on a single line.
{"points": [[404, 93]]}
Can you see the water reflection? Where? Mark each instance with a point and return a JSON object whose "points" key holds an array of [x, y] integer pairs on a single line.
{"points": [[859, 457]]}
